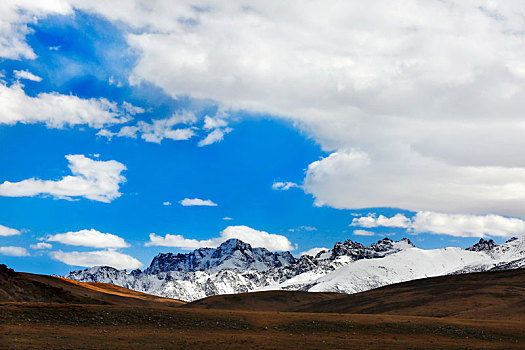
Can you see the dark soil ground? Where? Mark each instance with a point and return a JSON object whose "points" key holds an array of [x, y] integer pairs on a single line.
{"points": [[67, 326]]}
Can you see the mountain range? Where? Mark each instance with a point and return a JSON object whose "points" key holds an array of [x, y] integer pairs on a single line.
{"points": [[349, 267]]}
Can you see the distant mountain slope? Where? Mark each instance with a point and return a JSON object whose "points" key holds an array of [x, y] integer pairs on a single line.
{"points": [[486, 295], [27, 287], [404, 266], [349, 267]]}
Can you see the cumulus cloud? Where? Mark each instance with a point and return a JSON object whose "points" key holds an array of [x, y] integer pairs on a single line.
{"points": [[41, 245], [217, 127], [13, 251], [217, 135], [97, 258], [284, 186], [458, 225], [55, 110], [131, 109], [363, 233], [303, 228], [216, 122], [467, 225], [354, 180], [166, 203], [89, 238], [95, 180], [158, 129], [24, 74], [313, 251], [246, 234], [398, 220], [188, 202], [426, 106], [14, 19], [162, 129], [7, 231]]}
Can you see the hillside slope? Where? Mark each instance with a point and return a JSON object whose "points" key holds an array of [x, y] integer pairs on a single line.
{"points": [[497, 295], [27, 287]]}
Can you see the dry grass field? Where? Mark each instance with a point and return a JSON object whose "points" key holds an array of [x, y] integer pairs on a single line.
{"points": [[99, 316]]}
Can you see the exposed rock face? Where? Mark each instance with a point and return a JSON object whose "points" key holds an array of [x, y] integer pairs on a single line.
{"points": [[232, 254], [237, 267], [356, 251], [482, 245]]}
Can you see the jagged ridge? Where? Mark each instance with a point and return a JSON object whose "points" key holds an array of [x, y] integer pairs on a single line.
{"points": [[236, 267]]}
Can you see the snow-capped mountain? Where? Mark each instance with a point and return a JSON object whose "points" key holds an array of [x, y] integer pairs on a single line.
{"points": [[349, 267], [232, 254]]}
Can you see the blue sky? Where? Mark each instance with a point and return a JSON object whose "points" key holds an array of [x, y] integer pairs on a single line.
{"points": [[285, 164]]}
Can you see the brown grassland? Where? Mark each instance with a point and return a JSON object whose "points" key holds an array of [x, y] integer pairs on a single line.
{"points": [[73, 315]]}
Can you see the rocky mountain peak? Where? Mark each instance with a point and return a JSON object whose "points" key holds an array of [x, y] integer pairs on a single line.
{"points": [[407, 241], [231, 246], [232, 254], [482, 245], [357, 251]]}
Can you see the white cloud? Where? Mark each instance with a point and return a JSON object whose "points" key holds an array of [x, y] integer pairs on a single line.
{"points": [[398, 220], [246, 234], [24, 74], [217, 127], [458, 225], [158, 129], [363, 233], [97, 258], [427, 103], [425, 106], [227, 218], [7, 231], [284, 186], [55, 110], [313, 251], [303, 228], [166, 203], [354, 180], [214, 123], [14, 17], [41, 245], [132, 110], [161, 129], [467, 225], [187, 202], [95, 180], [13, 251], [89, 238], [214, 136]]}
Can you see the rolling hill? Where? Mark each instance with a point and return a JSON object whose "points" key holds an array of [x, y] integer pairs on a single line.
{"points": [[485, 295], [28, 287]]}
